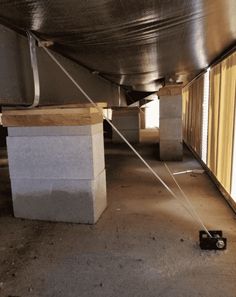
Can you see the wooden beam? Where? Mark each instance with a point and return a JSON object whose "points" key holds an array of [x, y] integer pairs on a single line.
{"points": [[50, 116], [78, 105]]}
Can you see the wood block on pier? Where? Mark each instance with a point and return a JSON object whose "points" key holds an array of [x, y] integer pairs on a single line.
{"points": [[51, 116]]}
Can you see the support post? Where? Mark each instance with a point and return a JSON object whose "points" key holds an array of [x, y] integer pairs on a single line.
{"points": [[127, 121], [171, 143], [56, 163]]}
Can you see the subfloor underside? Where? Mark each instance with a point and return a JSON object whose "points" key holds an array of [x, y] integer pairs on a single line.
{"points": [[145, 243]]}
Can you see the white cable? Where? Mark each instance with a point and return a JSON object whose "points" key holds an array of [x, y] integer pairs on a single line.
{"points": [[110, 123], [197, 217], [194, 171]]}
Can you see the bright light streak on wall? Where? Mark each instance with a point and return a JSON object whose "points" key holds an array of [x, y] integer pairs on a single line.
{"points": [[107, 112], [205, 109], [233, 187], [152, 113]]}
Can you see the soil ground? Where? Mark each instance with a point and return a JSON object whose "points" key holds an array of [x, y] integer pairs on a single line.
{"points": [[145, 243]]}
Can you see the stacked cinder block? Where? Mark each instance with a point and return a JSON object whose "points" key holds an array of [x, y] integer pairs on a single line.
{"points": [[171, 144], [127, 121], [57, 172]]}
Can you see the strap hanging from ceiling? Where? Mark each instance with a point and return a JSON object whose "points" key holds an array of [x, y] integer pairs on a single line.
{"points": [[34, 66]]}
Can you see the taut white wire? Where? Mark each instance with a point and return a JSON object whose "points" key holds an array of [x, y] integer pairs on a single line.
{"points": [[197, 217], [110, 123]]}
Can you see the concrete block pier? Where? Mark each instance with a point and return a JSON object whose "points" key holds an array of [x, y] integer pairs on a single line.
{"points": [[127, 121], [171, 142], [56, 163]]}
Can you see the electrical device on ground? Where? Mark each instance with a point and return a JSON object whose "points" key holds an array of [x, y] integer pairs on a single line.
{"points": [[215, 242]]}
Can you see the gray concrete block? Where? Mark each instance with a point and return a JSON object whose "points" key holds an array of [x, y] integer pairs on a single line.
{"points": [[56, 130], [171, 150], [100, 196], [98, 153], [77, 201], [56, 157], [170, 106], [127, 122], [131, 135], [171, 129]]}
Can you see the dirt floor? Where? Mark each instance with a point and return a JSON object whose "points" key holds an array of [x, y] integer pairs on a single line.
{"points": [[145, 243]]}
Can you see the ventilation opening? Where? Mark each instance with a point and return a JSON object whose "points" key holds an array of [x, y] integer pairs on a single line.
{"points": [[205, 109], [152, 113]]}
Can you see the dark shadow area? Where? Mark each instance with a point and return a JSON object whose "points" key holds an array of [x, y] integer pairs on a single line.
{"points": [[5, 186], [3, 135]]}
